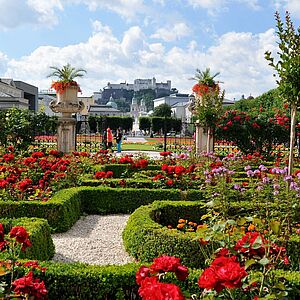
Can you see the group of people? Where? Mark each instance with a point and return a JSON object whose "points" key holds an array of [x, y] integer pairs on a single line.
{"points": [[108, 137]]}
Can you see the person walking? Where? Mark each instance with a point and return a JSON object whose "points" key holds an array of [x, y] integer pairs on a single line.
{"points": [[109, 138], [119, 137]]}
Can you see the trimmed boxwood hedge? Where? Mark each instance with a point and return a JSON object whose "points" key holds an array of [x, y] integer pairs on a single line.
{"points": [[144, 238], [81, 281], [66, 206], [119, 169], [39, 234], [146, 235], [62, 211]]}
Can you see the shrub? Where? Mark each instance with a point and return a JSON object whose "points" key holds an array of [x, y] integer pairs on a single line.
{"points": [[39, 234]]}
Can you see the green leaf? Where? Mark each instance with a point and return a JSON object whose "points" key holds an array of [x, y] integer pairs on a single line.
{"points": [[280, 286], [264, 261], [249, 263], [231, 222], [275, 226], [257, 243], [241, 221]]}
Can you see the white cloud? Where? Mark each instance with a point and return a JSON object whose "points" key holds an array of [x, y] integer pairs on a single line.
{"points": [[176, 32], [251, 3], [46, 10], [3, 62], [18, 12], [125, 8], [292, 6], [133, 41], [212, 6], [15, 13], [238, 56]]}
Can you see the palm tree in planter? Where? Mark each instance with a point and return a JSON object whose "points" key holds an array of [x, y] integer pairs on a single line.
{"points": [[66, 76], [208, 102], [67, 104]]}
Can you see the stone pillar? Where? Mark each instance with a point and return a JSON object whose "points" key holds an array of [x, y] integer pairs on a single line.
{"points": [[204, 140]]}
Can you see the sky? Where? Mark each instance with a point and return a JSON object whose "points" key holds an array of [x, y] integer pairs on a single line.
{"points": [[121, 40]]}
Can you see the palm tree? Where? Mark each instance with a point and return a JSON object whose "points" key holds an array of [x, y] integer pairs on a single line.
{"points": [[205, 78], [67, 73]]}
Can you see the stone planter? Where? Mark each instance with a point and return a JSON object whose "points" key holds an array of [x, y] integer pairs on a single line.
{"points": [[67, 104]]}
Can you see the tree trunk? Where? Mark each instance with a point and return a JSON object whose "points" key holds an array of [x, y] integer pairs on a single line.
{"points": [[292, 138]]}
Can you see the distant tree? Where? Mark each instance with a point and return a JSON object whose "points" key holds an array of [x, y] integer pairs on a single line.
{"points": [[162, 110], [287, 68]]}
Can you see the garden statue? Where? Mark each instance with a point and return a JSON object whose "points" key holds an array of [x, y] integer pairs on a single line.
{"points": [[67, 104], [206, 106]]}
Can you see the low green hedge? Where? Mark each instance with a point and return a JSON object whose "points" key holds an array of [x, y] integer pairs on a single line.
{"points": [[105, 200], [146, 235], [112, 182], [39, 234], [120, 170], [81, 281], [66, 206], [62, 211], [144, 238]]}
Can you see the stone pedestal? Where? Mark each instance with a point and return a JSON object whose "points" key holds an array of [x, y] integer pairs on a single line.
{"points": [[66, 134], [204, 140], [67, 103]]}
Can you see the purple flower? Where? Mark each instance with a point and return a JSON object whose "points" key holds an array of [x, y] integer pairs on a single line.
{"points": [[263, 168], [247, 168], [288, 178], [266, 180], [236, 186], [250, 173], [276, 186]]}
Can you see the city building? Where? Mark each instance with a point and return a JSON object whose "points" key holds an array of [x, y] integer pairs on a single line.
{"points": [[18, 94], [172, 99]]}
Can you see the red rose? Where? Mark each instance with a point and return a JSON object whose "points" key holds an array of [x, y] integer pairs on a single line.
{"points": [[27, 285], [169, 182], [182, 273], [224, 272], [251, 238], [152, 289], [37, 154], [141, 274], [109, 174], [165, 264], [208, 279], [19, 233]]}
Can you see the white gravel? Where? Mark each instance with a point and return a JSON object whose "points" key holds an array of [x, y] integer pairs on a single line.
{"points": [[94, 239]]}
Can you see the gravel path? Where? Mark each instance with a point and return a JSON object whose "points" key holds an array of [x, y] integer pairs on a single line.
{"points": [[95, 240]]}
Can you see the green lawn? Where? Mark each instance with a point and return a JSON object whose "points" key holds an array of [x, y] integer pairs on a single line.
{"points": [[137, 147]]}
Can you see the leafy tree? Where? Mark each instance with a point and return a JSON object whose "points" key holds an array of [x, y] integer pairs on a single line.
{"points": [[287, 68], [67, 73], [162, 110]]}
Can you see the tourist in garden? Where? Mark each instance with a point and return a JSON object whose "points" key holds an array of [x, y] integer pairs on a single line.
{"points": [[119, 137], [109, 138]]}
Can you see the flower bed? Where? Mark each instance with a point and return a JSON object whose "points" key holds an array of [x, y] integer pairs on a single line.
{"points": [[147, 236]]}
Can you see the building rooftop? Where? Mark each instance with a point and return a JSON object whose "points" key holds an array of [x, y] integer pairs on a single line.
{"points": [[102, 108]]}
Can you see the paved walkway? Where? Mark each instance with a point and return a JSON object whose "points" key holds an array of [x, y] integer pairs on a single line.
{"points": [[151, 154]]}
